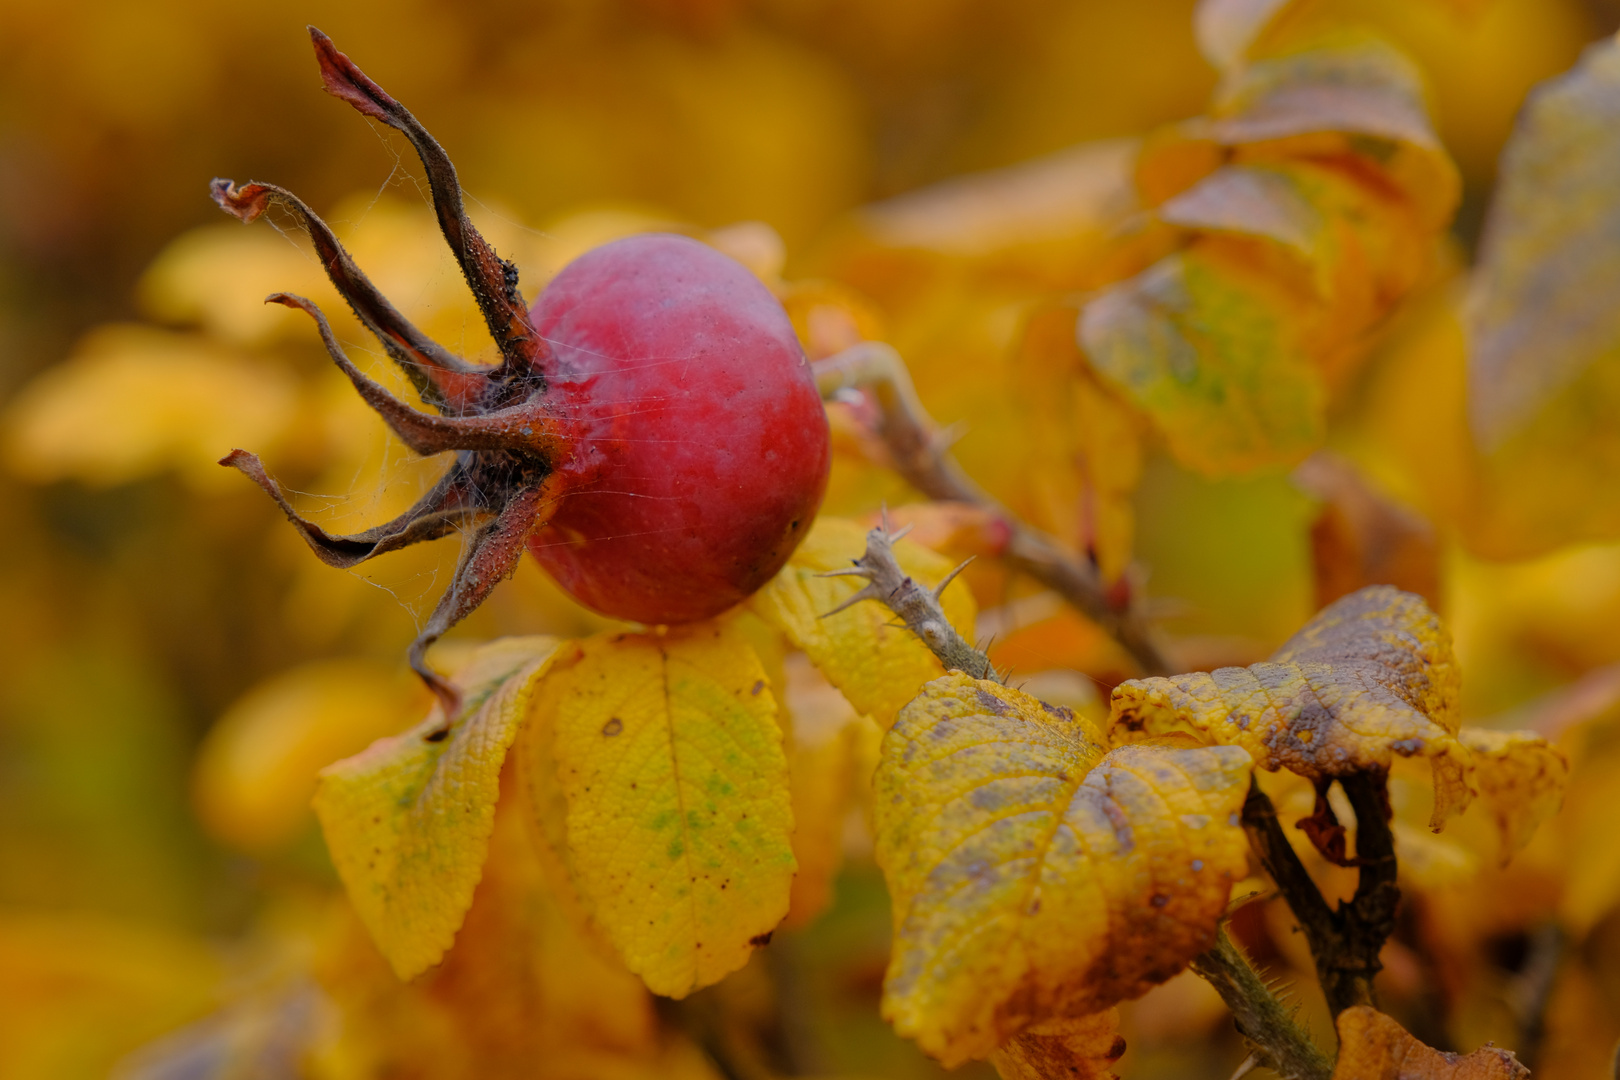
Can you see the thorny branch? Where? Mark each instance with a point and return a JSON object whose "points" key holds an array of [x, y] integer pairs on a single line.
{"points": [[1345, 943], [917, 605], [919, 454], [1265, 1021]]}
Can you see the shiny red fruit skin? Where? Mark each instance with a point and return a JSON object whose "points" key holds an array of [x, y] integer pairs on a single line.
{"points": [[701, 447]]}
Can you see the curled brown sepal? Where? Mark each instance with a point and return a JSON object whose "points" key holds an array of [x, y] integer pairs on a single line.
{"points": [[503, 502], [493, 280], [445, 381], [505, 429], [917, 605]]}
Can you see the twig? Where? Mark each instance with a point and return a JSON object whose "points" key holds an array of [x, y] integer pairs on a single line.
{"points": [[1531, 990], [1280, 1043], [917, 605], [1345, 943], [919, 454]]}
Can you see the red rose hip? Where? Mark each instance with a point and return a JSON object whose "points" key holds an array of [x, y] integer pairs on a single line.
{"points": [[652, 432], [702, 448]]}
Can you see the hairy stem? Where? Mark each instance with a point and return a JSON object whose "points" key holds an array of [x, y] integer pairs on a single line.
{"points": [[1281, 1044], [919, 454]]}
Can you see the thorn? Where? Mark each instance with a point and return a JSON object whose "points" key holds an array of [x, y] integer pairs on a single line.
{"points": [[883, 516], [950, 577], [870, 592], [855, 571], [895, 537], [1250, 1063]]}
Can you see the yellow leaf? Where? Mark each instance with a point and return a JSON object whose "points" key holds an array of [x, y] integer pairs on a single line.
{"points": [[1344, 94], [1354, 247], [1372, 676], [1360, 537], [1081, 444], [256, 769], [1082, 1049], [408, 820], [1209, 349], [821, 763], [1374, 1047], [1519, 778], [877, 665], [1544, 369], [79, 991], [1032, 876], [1048, 224], [1228, 29], [678, 820], [132, 402], [520, 985]]}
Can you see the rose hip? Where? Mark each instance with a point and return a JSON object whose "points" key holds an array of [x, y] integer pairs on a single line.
{"points": [[652, 433]]}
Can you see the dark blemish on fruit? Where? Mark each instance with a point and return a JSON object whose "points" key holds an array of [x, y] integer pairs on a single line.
{"points": [[1159, 900], [436, 736], [1062, 712], [612, 727], [759, 684], [761, 939]]}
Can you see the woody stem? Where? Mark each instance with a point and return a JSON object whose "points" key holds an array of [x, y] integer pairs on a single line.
{"points": [[917, 453], [1345, 943]]}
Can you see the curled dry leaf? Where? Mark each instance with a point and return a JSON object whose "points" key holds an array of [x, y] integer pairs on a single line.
{"points": [[408, 820], [1544, 367], [1033, 877], [1372, 676], [1374, 1047], [677, 824], [1361, 537], [1080, 1049], [875, 661]]}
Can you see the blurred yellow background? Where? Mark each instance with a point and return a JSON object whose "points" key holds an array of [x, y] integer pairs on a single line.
{"points": [[163, 635]]}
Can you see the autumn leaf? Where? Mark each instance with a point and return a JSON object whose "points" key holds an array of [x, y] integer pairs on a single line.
{"points": [[408, 820], [1310, 199], [1054, 223], [1080, 1049], [1361, 537], [1033, 877], [1374, 1047], [878, 665], [821, 763], [134, 401], [1372, 676], [1519, 777], [1209, 350], [1544, 367], [256, 768], [519, 985], [1082, 443], [678, 823], [1228, 29]]}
